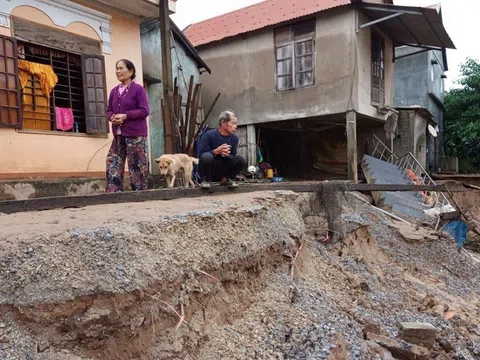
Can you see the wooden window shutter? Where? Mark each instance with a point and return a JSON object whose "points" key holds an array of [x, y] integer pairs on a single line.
{"points": [[10, 114], [95, 93]]}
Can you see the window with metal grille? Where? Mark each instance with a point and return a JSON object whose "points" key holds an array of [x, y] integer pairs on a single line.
{"points": [[38, 109], [378, 69], [295, 55], [26, 102]]}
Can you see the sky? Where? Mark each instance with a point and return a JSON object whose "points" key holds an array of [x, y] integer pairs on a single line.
{"points": [[460, 18]]}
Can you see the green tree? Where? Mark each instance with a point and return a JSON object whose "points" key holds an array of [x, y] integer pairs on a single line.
{"points": [[462, 119]]}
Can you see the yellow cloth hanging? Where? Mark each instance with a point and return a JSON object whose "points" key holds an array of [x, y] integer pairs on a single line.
{"points": [[35, 106], [46, 75]]}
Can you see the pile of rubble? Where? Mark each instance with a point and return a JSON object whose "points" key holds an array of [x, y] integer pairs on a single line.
{"points": [[251, 276]]}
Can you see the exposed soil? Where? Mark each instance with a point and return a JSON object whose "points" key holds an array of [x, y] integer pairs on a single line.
{"points": [[215, 282], [470, 203]]}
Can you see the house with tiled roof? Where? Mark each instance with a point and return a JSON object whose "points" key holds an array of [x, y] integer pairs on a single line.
{"points": [[311, 80]]}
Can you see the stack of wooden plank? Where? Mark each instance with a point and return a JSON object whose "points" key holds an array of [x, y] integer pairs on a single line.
{"points": [[184, 118]]}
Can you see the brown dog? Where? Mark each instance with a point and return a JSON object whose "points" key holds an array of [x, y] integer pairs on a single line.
{"points": [[170, 165]]}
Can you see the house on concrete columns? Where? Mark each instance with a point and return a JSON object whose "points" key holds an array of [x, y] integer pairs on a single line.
{"points": [[311, 81]]}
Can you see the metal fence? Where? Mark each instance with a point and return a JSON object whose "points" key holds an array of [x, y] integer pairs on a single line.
{"points": [[408, 161]]}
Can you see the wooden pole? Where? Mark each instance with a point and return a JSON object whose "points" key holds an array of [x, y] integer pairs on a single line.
{"points": [[352, 147], [210, 110], [167, 77]]}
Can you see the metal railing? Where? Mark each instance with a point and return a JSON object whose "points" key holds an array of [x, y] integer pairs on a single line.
{"points": [[384, 153], [408, 161]]}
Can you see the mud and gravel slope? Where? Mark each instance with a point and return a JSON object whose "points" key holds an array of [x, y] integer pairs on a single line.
{"points": [[247, 276]]}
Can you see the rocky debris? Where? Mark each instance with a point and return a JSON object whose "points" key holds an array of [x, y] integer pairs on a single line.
{"points": [[371, 328], [423, 334], [340, 351], [357, 282], [361, 245], [445, 344], [433, 306], [400, 349], [372, 350], [414, 233], [231, 294]]}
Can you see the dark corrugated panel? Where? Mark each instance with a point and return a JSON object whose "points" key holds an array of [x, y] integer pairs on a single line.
{"points": [[417, 26]]}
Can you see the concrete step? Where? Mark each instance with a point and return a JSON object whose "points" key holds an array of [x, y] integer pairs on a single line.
{"points": [[373, 160], [381, 172], [406, 210], [411, 201]]}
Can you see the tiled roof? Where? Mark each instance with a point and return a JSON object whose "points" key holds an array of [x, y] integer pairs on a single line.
{"points": [[254, 17]]}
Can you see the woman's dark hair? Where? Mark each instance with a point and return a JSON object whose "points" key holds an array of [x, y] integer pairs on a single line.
{"points": [[129, 66]]}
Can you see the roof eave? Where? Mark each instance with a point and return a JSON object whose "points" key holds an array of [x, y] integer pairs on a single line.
{"points": [[414, 26], [149, 25], [188, 45]]}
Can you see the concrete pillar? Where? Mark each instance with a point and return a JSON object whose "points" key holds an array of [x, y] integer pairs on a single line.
{"points": [[352, 146], [251, 145], [333, 200]]}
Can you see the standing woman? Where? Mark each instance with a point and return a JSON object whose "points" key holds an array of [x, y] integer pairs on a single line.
{"points": [[127, 111]]}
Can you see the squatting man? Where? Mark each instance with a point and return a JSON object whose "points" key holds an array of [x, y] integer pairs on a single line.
{"points": [[219, 161]]}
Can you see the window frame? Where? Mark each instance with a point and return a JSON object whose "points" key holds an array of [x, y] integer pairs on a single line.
{"points": [[377, 64], [290, 58], [101, 127], [297, 71], [8, 123], [293, 42]]}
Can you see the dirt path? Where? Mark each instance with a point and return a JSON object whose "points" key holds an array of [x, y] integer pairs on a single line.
{"points": [[22, 225]]}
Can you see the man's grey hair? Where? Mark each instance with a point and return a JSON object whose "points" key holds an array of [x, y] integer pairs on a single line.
{"points": [[225, 116]]}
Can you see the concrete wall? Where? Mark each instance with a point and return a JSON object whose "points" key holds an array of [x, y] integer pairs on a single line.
{"points": [[417, 81], [29, 189], [450, 165], [411, 136], [412, 78], [363, 85], [32, 189], [55, 154], [436, 86], [244, 72], [243, 143], [420, 139], [435, 81], [152, 64]]}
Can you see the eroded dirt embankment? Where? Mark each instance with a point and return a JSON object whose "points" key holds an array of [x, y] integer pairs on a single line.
{"points": [[108, 281], [224, 279]]}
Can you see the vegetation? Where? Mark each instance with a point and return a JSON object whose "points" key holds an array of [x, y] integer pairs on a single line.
{"points": [[462, 119]]}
